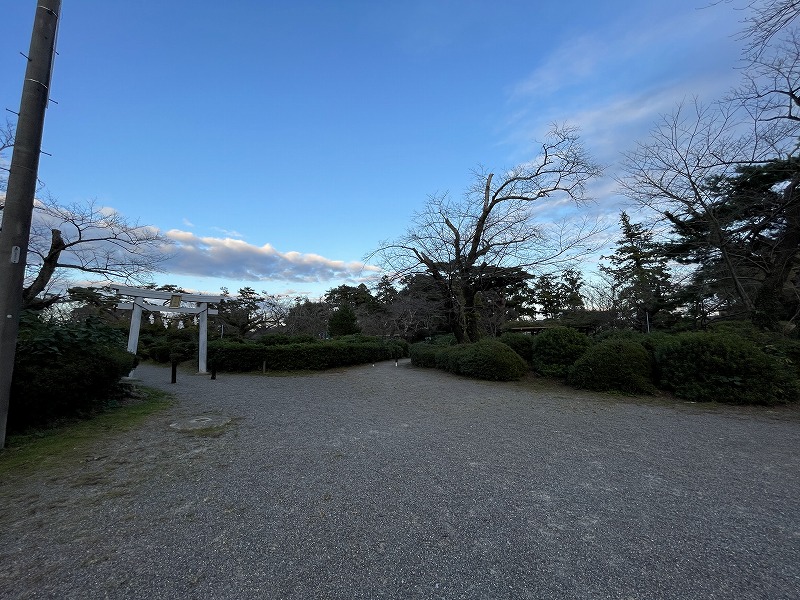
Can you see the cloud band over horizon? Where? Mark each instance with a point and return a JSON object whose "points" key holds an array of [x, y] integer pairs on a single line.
{"points": [[230, 258]]}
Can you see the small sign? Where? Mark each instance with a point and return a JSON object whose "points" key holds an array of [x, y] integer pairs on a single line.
{"points": [[175, 301], [15, 252]]}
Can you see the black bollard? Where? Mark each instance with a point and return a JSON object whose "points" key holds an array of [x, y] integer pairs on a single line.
{"points": [[174, 371], [213, 372]]}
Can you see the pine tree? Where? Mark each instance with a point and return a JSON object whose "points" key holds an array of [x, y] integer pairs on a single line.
{"points": [[641, 276], [343, 321]]}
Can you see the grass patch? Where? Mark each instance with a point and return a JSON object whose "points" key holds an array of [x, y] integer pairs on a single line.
{"points": [[40, 448]]}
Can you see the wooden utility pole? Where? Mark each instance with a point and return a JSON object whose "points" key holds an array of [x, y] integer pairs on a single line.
{"points": [[21, 187]]}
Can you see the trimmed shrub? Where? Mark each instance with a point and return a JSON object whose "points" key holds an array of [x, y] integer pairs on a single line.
{"points": [[65, 370], [492, 360], [423, 354], [783, 348], [556, 350], [449, 358], [521, 343], [486, 359], [398, 348], [621, 364], [723, 367]]}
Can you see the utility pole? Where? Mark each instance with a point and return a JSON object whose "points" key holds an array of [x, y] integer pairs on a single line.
{"points": [[20, 190]]}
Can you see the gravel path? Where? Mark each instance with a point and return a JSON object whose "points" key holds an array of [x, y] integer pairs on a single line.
{"points": [[397, 482]]}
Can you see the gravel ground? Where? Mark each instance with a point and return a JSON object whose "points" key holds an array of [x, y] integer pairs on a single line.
{"points": [[398, 482]]}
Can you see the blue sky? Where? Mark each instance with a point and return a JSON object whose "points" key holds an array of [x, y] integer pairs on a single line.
{"points": [[279, 142]]}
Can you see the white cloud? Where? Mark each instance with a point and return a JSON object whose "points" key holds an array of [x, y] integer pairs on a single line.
{"points": [[187, 222], [236, 259], [228, 232]]}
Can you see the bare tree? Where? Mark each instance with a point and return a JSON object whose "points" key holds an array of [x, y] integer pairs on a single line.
{"points": [[97, 242], [462, 244], [767, 19]]}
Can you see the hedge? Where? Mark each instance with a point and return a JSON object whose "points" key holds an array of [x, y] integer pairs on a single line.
{"points": [[318, 355]]}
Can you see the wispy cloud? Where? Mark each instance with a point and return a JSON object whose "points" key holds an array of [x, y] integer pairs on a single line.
{"points": [[236, 259], [187, 222], [231, 233], [571, 83]]}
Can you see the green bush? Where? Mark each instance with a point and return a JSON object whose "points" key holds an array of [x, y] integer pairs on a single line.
{"points": [[159, 352], [167, 350], [521, 343], [423, 354], [486, 359], [652, 342], [787, 351], [784, 349], [65, 370], [236, 355], [444, 339], [398, 348], [620, 363], [724, 367], [493, 360], [449, 358], [556, 350]]}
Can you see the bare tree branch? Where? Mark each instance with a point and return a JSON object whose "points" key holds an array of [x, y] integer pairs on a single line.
{"points": [[89, 239], [767, 19]]}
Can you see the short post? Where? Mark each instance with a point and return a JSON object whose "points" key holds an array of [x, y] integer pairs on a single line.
{"points": [[174, 370]]}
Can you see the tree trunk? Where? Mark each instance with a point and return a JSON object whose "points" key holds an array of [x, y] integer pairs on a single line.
{"points": [[471, 316], [46, 271]]}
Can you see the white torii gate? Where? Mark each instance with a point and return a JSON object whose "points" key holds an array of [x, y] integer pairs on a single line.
{"points": [[139, 303]]}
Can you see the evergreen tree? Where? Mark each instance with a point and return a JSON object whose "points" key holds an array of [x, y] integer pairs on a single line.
{"points": [[559, 297], [570, 291], [640, 275], [343, 321], [758, 209], [385, 292], [242, 314], [546, 293]]}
